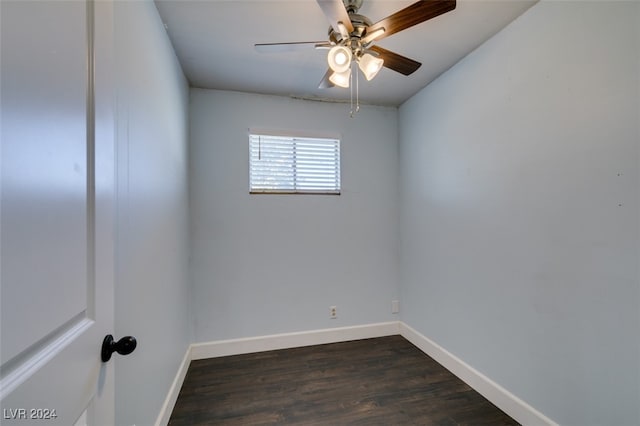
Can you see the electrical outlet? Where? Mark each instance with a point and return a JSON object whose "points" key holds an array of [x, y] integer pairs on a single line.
{"points": [[395, 306], [333, 312]]}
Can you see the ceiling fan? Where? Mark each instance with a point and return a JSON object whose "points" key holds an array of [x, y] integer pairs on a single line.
{"points": [[351, 38]]}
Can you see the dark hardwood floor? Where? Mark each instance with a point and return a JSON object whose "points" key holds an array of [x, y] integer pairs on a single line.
{"points": [[383, 381]]}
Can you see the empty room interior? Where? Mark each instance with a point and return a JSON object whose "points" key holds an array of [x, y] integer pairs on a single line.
{"points": [[485, 207]]}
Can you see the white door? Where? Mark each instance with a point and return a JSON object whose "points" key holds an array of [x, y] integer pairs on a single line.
{"points": [[57, 268]]}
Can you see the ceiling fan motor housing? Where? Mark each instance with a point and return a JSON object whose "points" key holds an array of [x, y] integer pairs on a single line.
{"points": [[360, 24]]}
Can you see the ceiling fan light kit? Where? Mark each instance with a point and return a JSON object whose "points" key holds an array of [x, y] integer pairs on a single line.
{"points": [[339, 58], [341, 79], [351, 38], [370, 65]]}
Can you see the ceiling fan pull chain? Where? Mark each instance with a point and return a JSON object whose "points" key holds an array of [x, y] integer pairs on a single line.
{"points": [[357, 90], [354, 70], [351, 91]]}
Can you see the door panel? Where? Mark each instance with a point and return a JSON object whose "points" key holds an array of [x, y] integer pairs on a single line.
{"points": [[44, 173], [56, 291]]}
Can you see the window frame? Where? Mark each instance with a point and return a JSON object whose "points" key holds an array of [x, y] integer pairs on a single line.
{"points": [[297, 138]]}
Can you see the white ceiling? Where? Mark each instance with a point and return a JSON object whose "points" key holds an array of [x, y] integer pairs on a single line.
{"points": [[214, 40]]}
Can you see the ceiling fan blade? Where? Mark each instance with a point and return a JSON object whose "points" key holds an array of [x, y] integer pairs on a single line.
{"points": [[335, 12], [289, 47], [396, 62], [418, 12], [325, 83]]}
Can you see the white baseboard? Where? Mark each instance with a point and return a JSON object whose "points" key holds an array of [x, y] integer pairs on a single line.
{"points": [[174, 390], [291, 340], [499, 396]]}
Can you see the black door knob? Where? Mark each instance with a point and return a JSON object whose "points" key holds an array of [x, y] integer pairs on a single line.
{"points": [[124, 346]]}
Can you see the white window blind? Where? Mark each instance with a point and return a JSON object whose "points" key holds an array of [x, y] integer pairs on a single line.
{"points": [[285, 164]]}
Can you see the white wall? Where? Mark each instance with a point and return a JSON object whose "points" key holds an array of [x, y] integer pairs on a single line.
{"points": [[152, 301], [265, 264], [520, 219]]}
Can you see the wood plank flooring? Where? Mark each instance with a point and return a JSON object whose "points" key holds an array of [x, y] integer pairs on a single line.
{"points": [[382, 381]]}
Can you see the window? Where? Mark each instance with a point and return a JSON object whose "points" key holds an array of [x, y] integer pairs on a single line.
{"points": [[293, 165]]}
